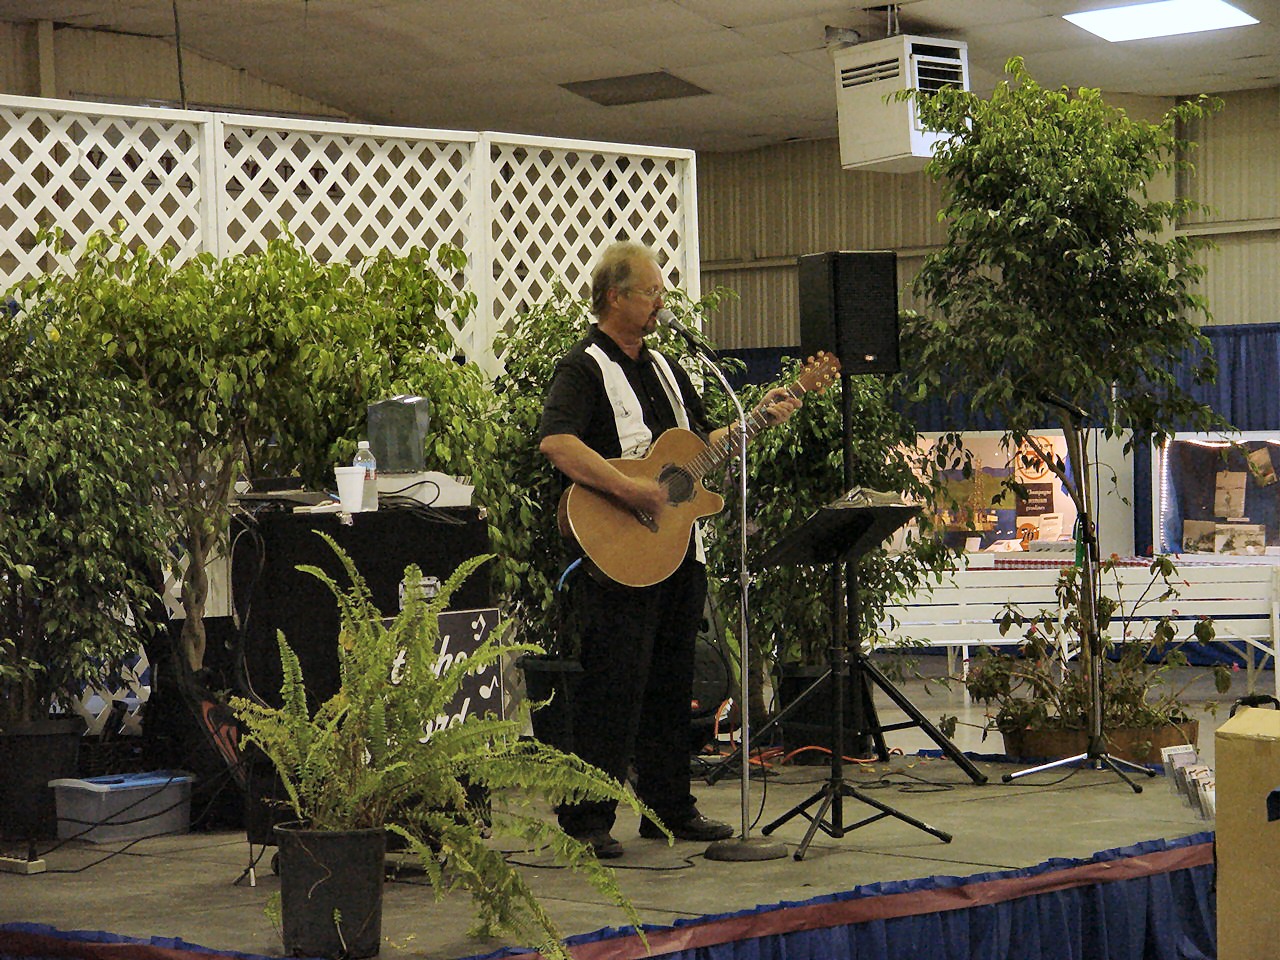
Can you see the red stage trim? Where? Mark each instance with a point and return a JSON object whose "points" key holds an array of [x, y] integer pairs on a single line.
{"points": [[15, 943], [842, 913]]}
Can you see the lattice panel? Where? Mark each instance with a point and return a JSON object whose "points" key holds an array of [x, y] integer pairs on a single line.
{"points": [[86, 172], [554, 207], [342, 196], [345, 196], [525, 210]]}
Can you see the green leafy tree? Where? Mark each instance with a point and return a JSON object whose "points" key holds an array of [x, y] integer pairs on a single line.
{"points": [[79, 532], [1060, 272], [792, 471], [263, 363]]}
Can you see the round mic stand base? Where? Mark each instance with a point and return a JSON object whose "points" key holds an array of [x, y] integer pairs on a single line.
{"points": [[746, 849]]}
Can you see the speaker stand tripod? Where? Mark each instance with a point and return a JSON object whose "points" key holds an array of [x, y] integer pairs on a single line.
{"points": [[832, 536]]}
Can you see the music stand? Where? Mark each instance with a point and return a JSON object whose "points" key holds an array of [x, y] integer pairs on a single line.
{"points": [[843, 531]]}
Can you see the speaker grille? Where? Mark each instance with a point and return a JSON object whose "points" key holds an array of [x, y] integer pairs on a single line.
{"points": [[849, 307]]}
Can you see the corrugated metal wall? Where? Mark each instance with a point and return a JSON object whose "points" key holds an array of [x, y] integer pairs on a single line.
{"points": [[127, 69], [1238, 176], [761, 209]]}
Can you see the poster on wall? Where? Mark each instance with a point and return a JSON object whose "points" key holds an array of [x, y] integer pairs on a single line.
{"points": [[978, 512]]}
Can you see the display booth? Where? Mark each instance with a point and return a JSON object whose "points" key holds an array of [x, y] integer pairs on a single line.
{"points": [[979, 517], [1216, 495]]}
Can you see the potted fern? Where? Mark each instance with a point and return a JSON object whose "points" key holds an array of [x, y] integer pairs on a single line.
{"points": [[361, 768]]}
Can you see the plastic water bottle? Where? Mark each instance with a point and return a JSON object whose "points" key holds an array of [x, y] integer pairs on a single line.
{"points": [[364, 458]]}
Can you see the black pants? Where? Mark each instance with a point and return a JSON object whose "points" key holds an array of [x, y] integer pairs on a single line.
{"points": [[632, 703]]}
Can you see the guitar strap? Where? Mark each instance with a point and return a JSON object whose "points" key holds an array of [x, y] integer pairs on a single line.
{"points": [[634, 435]]}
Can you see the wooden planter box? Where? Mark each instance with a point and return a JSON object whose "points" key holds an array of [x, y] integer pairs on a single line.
{"points": [[1139, 745]]}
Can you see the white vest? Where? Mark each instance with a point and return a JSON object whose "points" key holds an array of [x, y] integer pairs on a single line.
{"points": [[634, 435]]}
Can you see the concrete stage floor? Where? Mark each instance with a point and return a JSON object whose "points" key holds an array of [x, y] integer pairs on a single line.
{"points": [[185, 886]]}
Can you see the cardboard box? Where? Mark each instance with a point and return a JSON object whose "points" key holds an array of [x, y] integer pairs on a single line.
{"points": [[1247, 762], [127, 806]]}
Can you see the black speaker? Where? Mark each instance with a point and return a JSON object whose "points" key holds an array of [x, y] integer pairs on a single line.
{"points": [[849, 307]]}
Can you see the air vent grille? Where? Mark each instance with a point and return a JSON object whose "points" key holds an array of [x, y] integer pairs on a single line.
{"points": [[932, 75], [865, 73]]}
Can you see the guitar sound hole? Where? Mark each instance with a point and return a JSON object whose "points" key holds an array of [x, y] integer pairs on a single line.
{"points": [[679, 483]]}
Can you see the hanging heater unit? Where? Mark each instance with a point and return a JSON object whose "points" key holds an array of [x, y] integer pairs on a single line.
{"points": [[885, 135]]}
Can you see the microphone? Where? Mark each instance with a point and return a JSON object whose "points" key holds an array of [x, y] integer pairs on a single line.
{"points": [[691, 337], [668, 319], [1062, 403]]}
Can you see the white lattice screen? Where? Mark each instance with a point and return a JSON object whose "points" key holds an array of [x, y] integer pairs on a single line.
{"points": [[525, 210]]}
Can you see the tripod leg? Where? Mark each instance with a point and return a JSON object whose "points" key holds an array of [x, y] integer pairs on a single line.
{"points": [[1052, 765], [796, 811], [887, 811], [1128, 765], [815, 822], [1114, 766], [919, 719], [719, 769]]}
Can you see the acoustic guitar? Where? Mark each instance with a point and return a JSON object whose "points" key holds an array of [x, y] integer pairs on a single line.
{"points": [[638, 550]]}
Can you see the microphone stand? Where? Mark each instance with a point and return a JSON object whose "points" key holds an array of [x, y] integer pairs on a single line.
{"points": [[743, 847]]}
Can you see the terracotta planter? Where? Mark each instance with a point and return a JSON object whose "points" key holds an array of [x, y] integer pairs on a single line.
{"points": [[1139, 744]]}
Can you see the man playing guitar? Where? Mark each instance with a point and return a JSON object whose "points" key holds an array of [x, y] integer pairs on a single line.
{"points": [[610, 398]]}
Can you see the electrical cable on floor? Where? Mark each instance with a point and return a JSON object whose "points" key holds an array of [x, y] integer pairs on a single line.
{"points": [[113, 821], [685, 864], [102, 860]]}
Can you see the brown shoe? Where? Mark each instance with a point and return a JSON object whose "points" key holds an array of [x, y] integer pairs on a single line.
{"points": [[602, 843], [694, 827]]}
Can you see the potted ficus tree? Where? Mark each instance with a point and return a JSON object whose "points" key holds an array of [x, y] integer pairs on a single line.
{"points": [[1061, 276], [79, 534], [1040, 704], [362, 766], [262, 364]]}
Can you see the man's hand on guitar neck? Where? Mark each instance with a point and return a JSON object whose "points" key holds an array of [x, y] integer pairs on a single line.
{"points": [[778, 405]]}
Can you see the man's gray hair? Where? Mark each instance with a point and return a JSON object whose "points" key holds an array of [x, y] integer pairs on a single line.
{"points": [[613, 270]]}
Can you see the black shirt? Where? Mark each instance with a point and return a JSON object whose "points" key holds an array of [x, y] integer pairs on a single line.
{"points": [[577, 403]]}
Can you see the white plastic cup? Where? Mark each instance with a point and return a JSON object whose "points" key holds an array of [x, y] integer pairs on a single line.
{"points": [[350, 488]]}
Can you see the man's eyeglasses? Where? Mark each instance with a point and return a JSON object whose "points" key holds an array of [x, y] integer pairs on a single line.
{"points": [[650, 293]]}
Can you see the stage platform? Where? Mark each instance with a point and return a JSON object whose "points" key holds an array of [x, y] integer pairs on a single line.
{"points": [[185, 886]]}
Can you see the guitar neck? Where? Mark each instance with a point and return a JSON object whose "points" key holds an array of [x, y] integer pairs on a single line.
{"points": [[720, 451]]}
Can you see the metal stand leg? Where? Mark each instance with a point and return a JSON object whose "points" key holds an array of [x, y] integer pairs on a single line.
{"points": [[837, 788], [1091, 654]]}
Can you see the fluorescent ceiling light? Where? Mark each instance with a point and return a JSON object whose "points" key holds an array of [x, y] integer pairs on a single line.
{"points": [[1163, 19]]}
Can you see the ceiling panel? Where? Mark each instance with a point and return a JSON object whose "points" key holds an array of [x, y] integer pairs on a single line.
{"points": [[497, 64]]}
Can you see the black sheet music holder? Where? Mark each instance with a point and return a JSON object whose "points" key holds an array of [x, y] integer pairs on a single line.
{"points": [[839, 532]]}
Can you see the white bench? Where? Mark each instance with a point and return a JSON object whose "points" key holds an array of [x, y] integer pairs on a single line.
{"points": [[965, 609]]}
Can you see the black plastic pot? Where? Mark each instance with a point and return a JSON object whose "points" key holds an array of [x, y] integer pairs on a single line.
{"points": [[32, 754], [554, 679], [323, 871]]}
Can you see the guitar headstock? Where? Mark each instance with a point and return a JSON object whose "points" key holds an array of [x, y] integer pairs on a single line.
{"points": [[819, 372]]}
